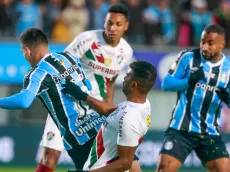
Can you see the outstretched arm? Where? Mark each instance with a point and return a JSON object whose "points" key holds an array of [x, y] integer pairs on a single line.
{"points": [[75, 91], [18, 101], [100, 106]]}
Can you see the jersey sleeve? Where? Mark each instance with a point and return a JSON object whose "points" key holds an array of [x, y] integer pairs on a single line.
{"points": [[33, 80], [176, 79], [129, 130], [80, 45]]}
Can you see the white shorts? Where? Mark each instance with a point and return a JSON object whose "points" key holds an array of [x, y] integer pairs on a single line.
{"points": [[52, 137]]}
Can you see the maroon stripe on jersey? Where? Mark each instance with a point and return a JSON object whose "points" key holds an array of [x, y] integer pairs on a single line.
{"points": [[112, 160], [99, 57], [100, 144]]}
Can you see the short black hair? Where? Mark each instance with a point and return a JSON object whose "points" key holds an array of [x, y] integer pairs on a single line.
{"points": [[33, 37], [119, 8], [145, 72], [215, 28]]}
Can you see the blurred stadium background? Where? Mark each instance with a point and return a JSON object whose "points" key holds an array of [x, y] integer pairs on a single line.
{"points": [[158, 30]]}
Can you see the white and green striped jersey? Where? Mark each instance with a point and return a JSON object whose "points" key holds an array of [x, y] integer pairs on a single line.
{"points": [[126, 126], [100, 61]]}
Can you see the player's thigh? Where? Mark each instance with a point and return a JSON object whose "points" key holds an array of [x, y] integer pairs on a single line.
{"points": [[52, 137], [218, 165], [50, 157], [212, 151], [135, 167], [175, 149]]}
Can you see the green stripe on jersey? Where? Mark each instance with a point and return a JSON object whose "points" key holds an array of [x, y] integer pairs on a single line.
{"points": [[101, 84], [90, 55], [93, 155]]}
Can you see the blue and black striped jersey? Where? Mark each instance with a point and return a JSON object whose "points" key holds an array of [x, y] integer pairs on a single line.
{"points": [[197, 108], [76, 121]]}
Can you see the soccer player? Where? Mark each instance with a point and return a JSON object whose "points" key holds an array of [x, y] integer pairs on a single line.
{"points": [[124, 129], [201, 79], [49, 71], [103, 53]]}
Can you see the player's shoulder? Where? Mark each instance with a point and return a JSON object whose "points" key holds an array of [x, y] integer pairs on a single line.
{"points": [[125, 45]]}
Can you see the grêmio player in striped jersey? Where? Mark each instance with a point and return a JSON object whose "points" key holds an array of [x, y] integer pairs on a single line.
{"points": [[103, 53], [201, 78]]}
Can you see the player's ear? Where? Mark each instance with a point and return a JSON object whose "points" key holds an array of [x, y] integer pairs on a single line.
{"points": [[134, 84], [126, 25]]}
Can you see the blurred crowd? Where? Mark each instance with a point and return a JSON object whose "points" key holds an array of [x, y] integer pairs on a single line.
{"points": [[152, 22]]}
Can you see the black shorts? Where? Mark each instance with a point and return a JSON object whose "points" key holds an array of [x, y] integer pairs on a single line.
{"points": [[180, 144], [79, 154]]}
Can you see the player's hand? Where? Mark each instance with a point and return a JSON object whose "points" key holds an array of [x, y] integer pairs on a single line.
{"points": [[74, 90], [223, 95], [196, 75]]}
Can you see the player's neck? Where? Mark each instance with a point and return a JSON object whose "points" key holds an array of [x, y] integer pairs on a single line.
{"points": [[136, 98], [217, 58], [40, 53]]}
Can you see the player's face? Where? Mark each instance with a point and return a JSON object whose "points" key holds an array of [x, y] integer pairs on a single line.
{"points": [[115, 26], [211, 45]]}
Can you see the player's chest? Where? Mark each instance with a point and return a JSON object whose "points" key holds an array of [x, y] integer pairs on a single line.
{"points": [[216, 75], [105, 56]]}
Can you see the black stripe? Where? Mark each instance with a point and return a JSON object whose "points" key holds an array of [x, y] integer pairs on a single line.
{"points": [[189, 94], [55, 98], [56, 64], [215, 123], [85, 110], [208, 99], [70, 59]]}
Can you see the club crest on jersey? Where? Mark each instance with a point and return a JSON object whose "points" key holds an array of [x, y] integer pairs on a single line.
{"points": [[120, 59], [148, 120], [50, 135], [223, 77], [107, 61]]}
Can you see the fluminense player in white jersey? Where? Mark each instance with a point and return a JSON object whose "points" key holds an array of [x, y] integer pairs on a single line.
{"points": [[124, 129], [103, 53]]}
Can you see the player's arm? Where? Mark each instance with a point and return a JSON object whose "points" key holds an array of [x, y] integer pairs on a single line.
{"points": [[224, 94], [75, 91], [20, 100], [110, 91], [24, 99], [100, 106], [176, 79]]}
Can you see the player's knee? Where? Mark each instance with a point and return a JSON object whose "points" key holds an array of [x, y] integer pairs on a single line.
{"points": [[50, 157]]}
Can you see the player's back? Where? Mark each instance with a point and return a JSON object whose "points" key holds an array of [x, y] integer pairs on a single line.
{"points": [[52, 71]]}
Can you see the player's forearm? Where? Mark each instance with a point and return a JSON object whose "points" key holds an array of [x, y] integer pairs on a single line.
{"points": [[18, 101], [99, 106], [171, 83], [110, 94], [116, 166]]}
